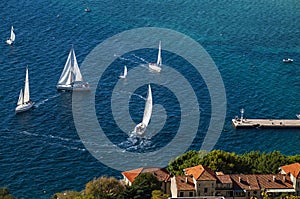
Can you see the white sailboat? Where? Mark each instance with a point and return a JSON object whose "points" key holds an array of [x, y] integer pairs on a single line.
{"points": [[12, 38], [71, 78], [141, 127], [157, 66], [124, 74], [24, 102]]}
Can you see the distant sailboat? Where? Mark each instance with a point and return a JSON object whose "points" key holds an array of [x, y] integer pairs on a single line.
{"points": [[24, 102], [71, 78], [12, 38], [141, 127], [124, 74], [157, 66]]}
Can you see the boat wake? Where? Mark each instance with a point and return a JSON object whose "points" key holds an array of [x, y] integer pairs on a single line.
{"points": [[136, 143], [37, 104], [136, 59], [57, 140], [140, 58]]}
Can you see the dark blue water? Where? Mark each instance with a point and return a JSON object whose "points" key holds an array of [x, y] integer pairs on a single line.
{"points": [[40, 151]]}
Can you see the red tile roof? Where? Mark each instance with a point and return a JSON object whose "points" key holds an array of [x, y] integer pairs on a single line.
{"points": [[132, 174], [245, 182], [185, 183], [200, 172], [224, 179], [293, 169], [261, 181], [270, 181], [160, 173]]}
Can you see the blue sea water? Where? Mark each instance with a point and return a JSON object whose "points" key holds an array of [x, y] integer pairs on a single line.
{"points": [[40, 151]]}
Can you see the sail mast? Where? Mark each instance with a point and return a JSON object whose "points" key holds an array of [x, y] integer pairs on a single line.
{"points": [[159, 60], [26, 88], [76, 70], [125, 71], [20, 101], [12, 34], [148, 107]]}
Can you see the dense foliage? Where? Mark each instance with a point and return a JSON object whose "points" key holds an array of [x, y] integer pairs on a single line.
{"points": [[4, 193], [158, 194], [228, 162], [142, 187], [104, 188], [111, 188]]}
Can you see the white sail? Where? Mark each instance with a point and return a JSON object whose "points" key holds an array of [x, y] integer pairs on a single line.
{"points": [[24, 102], [125, 71], [148, 108], [20, 101], [159, 59], [76, 70], [71, 72], [26, 88], [12, 34], [124, 74]]}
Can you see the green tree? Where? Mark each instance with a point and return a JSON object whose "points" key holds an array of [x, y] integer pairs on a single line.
{"points": [[85, 197], [144, 184], [66, 195], [219, 160], [4, 193], [104, 188], [188, 159], [158, 194]]}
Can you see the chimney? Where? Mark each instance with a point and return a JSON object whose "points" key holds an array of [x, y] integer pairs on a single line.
{"points": [[239, 178], [274, 178], [283, 179]]}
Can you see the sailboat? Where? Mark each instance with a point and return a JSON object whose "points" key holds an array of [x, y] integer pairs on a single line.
{"points": [[124, 74], [12, 38], [24, 102], [71, 78], [157, 66], [141, 127]]}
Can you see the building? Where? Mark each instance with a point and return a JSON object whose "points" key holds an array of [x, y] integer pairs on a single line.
{"points": [[208, 184], [200, 182], [293, 171], [161, 174]]}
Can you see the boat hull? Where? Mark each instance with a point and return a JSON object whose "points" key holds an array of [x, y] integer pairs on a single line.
{"points": [[24, 107], [155, 67], [9, 42], [75, 87]]}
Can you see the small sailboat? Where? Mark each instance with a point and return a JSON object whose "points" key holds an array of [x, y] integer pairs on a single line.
{"points": [[71, 78], [124, 74], [12, 38], [141, 127], [24, 102], [87, 9], [157, 66]]}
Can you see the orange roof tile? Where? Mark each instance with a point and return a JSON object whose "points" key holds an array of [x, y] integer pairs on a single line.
{"points": [[294, 169], [224, 179], [200, 172], [185, 183], [132, 174], [160, 173], [270, 181], [245, 182]]}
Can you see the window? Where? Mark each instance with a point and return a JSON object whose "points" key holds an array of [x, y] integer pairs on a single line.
{"points": [[205, 190], [191, 194], [181, 194]]}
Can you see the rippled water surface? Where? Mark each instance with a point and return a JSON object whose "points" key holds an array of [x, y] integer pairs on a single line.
{"points": [[40, 150]]}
